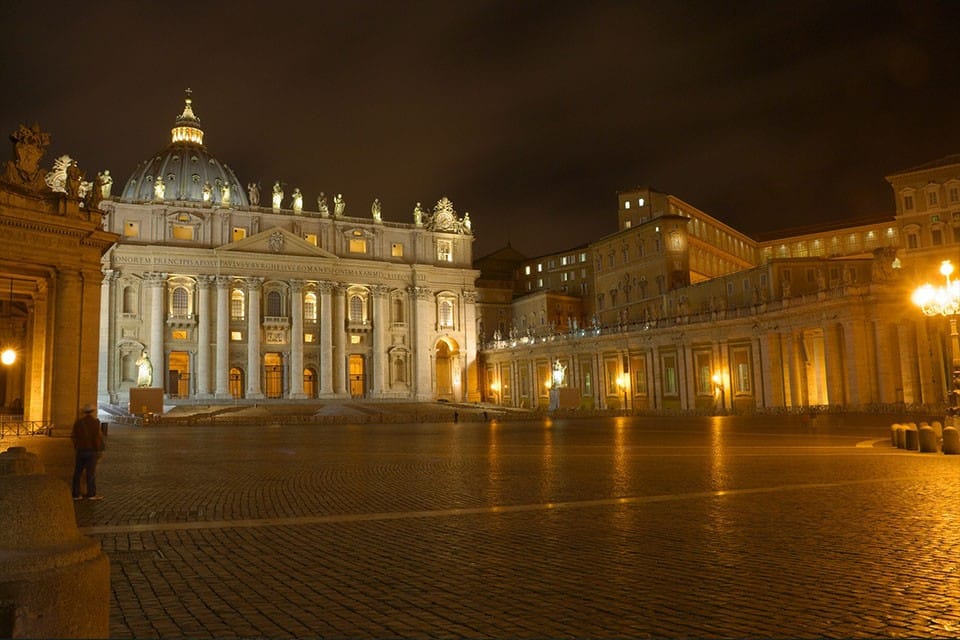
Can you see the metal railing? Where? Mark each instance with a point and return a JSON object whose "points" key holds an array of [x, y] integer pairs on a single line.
{"points": [[17, 426]]}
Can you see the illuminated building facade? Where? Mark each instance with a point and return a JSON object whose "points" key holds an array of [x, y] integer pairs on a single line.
{"points": [[230, 300], [683, 313]]}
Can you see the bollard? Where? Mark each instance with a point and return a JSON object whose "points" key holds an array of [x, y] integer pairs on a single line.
{"points": [[937, 428], [911, 440], [951, 441], [929, 443], [54, 582], [893, 434], [901, 436]]}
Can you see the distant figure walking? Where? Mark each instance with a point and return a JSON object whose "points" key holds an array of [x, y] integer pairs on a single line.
{"points": [[87, 444]]}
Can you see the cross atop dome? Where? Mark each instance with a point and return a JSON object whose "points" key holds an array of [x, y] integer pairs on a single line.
{"points": [[187, 126]]}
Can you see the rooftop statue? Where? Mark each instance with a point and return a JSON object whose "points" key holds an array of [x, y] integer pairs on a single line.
{"points": [[94, 194], [225, 194], [376, 210], [56, 179], [159, 189], [297, 200], [74, 178], [105, 180], [253, 191], [29, 145], [207, 192], [339, 206], [322, 205], [277, 195], [418, 214], [467, 225]]}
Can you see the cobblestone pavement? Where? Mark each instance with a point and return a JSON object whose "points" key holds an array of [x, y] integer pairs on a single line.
{"points": [[608, 527]]}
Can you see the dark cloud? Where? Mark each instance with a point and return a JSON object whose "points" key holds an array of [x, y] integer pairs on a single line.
{"points": [[529, 115]]}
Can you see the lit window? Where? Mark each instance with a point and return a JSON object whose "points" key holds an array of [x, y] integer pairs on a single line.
{"points": [[239, 233], [446, 313], [932, 197], [444, 251], [178, 334], [236, 336], [180, 302], [354, 339], [626, 205], [182, 232], [311, 238], [640, 202], [309, 337], [396, 250], [274, 304], [358, 245], [356, 309], [131, 229], [310, 306], [539, 267], [526, 270], [908, 202]]}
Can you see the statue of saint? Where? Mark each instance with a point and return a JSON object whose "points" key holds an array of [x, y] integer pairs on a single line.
{"points": [[322, 205], [253, 191], [207, 192], [74, 177], [418, 215], [467, 225], [94, 194], [144, 370], [559, 374], [159, 188], [297, 200], [376, 210], [225, 194], [106, 183], [277, 195], [338, 206]]}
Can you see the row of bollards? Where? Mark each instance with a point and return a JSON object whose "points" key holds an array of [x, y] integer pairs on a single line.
{"points": [[927, 438]]}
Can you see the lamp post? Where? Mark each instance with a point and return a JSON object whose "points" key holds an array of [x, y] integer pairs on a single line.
{"points": [[945, 301], [622, 383], [718, 383]]}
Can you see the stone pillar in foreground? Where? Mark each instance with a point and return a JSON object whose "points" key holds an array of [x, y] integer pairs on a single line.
{"points": [[54, 582]]}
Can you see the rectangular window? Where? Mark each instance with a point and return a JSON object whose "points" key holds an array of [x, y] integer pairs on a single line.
{"points": [[740, 363], [396, 250], [526, 270], [912, 241], [626, 205], [236, 336], [182, 232], [638, 367], [358, 245], [954, 194], [131, 229], [354, 339], [239, 233], [539, 267], [444, 251], [309, 338], [932, 197], [311, 238], [178, 334], [936, 236], [612, 368], [908, 202], [583, 257], [704, 374]]}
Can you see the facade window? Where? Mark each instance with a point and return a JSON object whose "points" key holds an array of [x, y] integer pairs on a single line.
{"points": [[444, 251], [310, 306], [908, 203], [912, 241], [446, 313], [740, 363], [936, 236], [236, 336], [539, 283], [396, 250], [358, 245], [669, 375], [583, 257], [704, 375], [638, 367], [954, 194], [311, 238], [526, 270], [236, 305], [956, 234], [356, 308], [239, 233], [182, 232], [626, 205], [274, 304], [931, 198], [180, 302], [396, 310], [131, 229], [612, 367]]}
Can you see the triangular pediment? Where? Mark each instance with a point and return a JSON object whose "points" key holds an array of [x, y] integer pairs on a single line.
{"points": [[277, 241]]}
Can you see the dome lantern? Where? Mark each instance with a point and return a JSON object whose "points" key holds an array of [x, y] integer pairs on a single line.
{"points": [[187, 127]]}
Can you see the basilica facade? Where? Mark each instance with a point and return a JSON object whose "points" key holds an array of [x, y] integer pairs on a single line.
{"points": [[210, 296]]}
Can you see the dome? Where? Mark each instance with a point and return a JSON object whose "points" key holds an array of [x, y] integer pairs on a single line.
{"points": [[188, 171]]}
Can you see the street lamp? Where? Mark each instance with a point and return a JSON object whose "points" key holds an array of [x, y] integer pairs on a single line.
{"points": [[945, 301], [718, 383], [622, 383]]}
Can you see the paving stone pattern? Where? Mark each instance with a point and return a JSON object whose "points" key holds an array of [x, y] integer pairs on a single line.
{"points": [[640, 527]]}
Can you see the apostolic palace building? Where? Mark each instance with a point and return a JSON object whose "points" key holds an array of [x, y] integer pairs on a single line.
{"points": [[207, 294]]}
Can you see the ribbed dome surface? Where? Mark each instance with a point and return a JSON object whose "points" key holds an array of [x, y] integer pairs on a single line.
{"points": [[186, 168]]}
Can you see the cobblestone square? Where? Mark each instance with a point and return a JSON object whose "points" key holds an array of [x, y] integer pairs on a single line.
{"points": [[608, 527]]}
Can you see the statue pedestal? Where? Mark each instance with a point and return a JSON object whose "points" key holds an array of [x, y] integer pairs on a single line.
{"points": [[145, 400]]}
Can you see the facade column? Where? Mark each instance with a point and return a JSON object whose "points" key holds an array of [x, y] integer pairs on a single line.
{"points": [[909, 390], [253, 338], [76, 311], [326, 339], [840, 375], [222, 377], [155, 348], [887, 364], [421, 300], [471, 372], [791, 365], [203, 336], [381, 320], [108, 354], [296, 340], [36, 403], [339, 340]]}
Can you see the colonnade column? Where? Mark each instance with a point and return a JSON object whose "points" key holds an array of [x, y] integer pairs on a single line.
{"points": [[222, 388], [155, 282], [471, 373], [108, 354], [326, 339], [296, 340], [910, 389], [380, 321], [203, 336], [339, 339], [253, 338]]}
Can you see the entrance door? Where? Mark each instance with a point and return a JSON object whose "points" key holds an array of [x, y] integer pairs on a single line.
{"points": [[178, 375], [310, 383], [272, 375], [357, 381], [236, 383]]}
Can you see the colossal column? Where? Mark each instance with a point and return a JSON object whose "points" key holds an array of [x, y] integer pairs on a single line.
{"points": [[326, 339], [339, 340], [471, 372], [296, 340], [108, 354], [222, 391], [381, 320], [424, 317], [155, 282], [203, 336], [253, 338]]}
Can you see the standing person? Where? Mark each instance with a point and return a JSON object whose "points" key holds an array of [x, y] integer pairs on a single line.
{"points": [[88, 443]]}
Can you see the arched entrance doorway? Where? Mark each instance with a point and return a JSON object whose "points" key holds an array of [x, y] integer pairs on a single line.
{"points": [[310, 383], [447, 359], [236, 383], [272, 375]]}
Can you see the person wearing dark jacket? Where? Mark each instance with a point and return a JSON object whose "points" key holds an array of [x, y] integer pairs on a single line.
{"points": [[88, 443]]}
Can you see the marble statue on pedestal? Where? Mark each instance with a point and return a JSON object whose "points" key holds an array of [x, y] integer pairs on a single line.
{"points": [[277, 195], [322, 205], [339, 206], [297, 203], [376, 210], [253, 192]]}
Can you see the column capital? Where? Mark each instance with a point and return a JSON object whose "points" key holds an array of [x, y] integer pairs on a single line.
{"points": [[296, 286], [110, 275], [253, 283], [154, 278], [470, 296], [420, 293], [205, 281], [379, 290], [340, 288], [325, 287], [223, 282]]}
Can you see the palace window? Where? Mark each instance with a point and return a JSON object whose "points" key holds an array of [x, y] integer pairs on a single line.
{"points": [[931, 198], [908, 203], [356, 308], [740, 363], [180, 302], [445, 313], [274, 304], [131, 229], [444, 251], [704, 375], [358, 245], [396, 250], [129, 300], [397, 315], [954, 194], [310, 306], [239, 233], [669, 375]]}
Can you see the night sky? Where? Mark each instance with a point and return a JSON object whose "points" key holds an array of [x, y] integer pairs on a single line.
{"points": [[528, 115]]}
